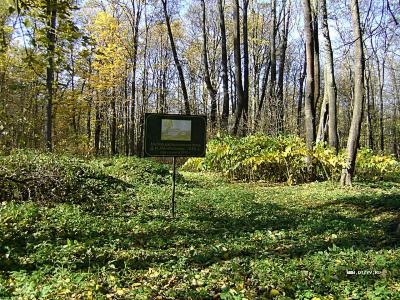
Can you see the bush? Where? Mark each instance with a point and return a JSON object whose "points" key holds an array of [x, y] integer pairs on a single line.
{"points": [[135, 170], [370, 165], [254, 157], [282, 159], [27, 175]]}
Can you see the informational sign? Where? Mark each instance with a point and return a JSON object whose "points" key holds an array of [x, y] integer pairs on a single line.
{"points": [[175, 135]]}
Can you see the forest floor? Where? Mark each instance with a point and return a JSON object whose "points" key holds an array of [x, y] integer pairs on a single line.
{"points": [[228, 241]]}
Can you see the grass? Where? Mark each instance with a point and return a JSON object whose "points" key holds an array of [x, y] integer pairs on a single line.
{"points": [[229, 241]]}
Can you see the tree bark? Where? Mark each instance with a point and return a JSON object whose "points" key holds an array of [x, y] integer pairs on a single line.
{"points": [[317, 64], [238, 67], [245, 113], [330, 80], [369, 108], [224, 62], [381, 74], [113, 129], [263, 95], [272, 82], [211, 90], [281, 73], [143, 92], [176, 59], [136, 16], [309, 108], [300, 96], [97, 128], [51, 13], [355, 127], [324, 115], [395, 132]]}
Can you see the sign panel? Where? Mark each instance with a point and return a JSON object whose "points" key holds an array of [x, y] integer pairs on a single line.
{"points": [[174, 135]]}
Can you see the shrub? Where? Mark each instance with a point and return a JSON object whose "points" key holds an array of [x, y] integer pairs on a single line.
{"points": [[254, 157], [328, 164], [135, 170], [27, 175], [282, 159], [370, 165]]}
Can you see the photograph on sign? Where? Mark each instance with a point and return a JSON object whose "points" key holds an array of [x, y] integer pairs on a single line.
{"points": [[176, 130], [175, 135]]}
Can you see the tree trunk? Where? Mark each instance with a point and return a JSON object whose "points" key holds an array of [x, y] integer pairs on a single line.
{"points": [[369, 108], [245, 112], [224, 62], [317, 64], [135, 31], [300, 97], [97, 128], [211, 90], [381, 85], [238, 67], [143, 92], [309, 108], [355, 127], [263, 95], [330, 80], [113, 129], [395, 132], [324, 115], [51, 12], [281, 73], [272, 83], [176, 59]]}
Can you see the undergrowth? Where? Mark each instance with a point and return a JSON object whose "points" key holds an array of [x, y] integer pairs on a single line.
{"points": [[283, 159], [229, 241]]}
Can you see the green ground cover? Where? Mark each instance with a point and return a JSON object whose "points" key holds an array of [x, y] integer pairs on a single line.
{"points": [[229, 241]]}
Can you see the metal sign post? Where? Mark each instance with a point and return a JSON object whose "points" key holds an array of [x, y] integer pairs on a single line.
{"points": [[169, 135], [173, 187]]}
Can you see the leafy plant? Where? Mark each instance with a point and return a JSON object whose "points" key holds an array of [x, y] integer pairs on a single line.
{"points": [[374, 166], [282, 159]]}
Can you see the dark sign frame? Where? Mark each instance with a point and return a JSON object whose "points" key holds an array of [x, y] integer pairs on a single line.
{"points": [[175, 135]]}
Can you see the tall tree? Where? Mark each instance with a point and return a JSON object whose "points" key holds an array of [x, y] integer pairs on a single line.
{"points": [[309, 108], [395, 115], [358, 102], [369, 107], [330, 78], [238, 67], [245, 107], [210, 88], [324, 114], [300, 96], [224, 63], [51, 15], [282, 60], [317, 64], [273, 33], [134, 13], [176, 59]]}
